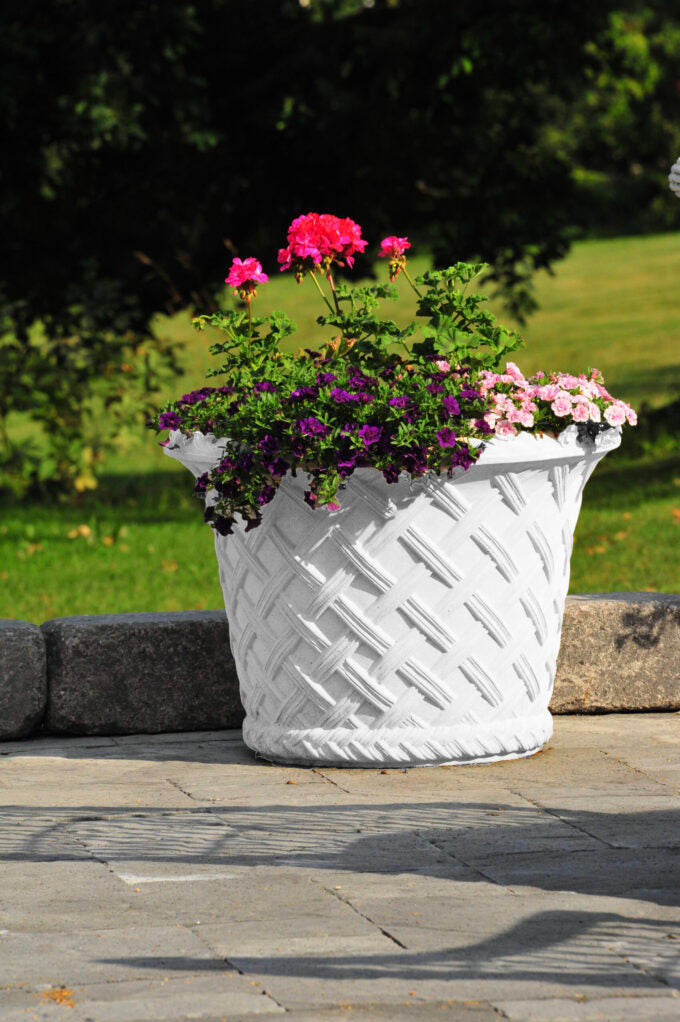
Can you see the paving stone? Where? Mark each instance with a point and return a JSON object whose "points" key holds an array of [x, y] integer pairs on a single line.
{"points": [[611, 871], [34, 838], [60, 897], [129, 673], [89, 956], [619, 651], [410, 1011], [92, 799], [619, 821], [159, 1000], [23, 678], [46, 744], [252, 898], [596, 1009], [391, 897], [305, 976], [337, 924], [658, 958], [194, 737]]}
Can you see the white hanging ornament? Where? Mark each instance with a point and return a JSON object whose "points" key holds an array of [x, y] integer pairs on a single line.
{"points": [[674, 178]]}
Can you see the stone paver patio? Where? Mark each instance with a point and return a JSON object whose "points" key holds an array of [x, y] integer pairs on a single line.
{"points": [[175, 877]]}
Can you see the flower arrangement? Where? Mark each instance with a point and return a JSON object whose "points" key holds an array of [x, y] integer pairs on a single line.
{"points": [[368, 395]]}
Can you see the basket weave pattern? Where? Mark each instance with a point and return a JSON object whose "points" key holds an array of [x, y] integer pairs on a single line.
{"points": [[419, 624]]}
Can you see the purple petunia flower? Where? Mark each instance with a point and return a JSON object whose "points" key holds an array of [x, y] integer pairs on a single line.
{"points": [[265, 387], [342, 397], [298, 448], [269, 444], [225, 526], [415, 460], [312, 427], [196, 396], [303, 392], [310, 498], [400, 401], [277, 467], [434, 388], [483, 426], [226, 487], [451, 406], [391, 474], [346, 463], [463, 459], [470, 394], [359, 380], [169, 420], [324, 378], [201, 484], [370, 434], [266, 494], [446, 437]]}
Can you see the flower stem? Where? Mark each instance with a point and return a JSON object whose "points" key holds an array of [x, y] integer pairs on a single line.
{"points": [[329, 276], [320, 290], [408, 277]]}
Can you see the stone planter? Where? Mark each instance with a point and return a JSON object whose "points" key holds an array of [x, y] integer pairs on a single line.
{"points": [[418, 625]]}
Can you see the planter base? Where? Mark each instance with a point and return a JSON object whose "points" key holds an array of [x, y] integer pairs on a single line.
{"points": [[398, 747]]}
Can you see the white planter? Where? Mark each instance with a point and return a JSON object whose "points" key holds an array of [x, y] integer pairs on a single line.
{"points": [[418, 625]]}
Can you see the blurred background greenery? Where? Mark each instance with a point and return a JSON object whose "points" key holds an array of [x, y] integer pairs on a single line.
{"points": [[145, 144]]}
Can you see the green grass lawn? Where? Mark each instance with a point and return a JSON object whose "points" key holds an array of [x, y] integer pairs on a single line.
{"points": [[138, 542]]}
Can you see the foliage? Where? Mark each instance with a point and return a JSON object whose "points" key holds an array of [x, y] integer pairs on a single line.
{"points": [[137, 146], [359, 401], [622, 132]]}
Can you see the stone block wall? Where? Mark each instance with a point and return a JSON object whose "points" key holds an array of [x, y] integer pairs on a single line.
{"points": [[150, 673]]}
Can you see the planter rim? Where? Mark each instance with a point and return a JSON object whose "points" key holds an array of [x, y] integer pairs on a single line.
{"points": [[204, 449]]}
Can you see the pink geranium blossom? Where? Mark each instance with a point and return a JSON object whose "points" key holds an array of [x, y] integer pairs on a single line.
{"points": [[244, 275], [393, 247], [321, 238]]}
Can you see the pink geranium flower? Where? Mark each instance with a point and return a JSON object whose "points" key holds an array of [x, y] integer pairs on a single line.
{"points": [[393, 247], [321, 238], [244, 275]]}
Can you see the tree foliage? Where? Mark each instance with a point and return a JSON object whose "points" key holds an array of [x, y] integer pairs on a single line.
{"points": [[622, 133], [145, 141]]}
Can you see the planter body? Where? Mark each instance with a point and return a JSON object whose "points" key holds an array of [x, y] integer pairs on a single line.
{"points": [[418, 625]]}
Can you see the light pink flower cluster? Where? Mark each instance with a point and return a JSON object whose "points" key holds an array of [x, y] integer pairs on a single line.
{"points": [[520, 402], [323, 238], [244, 275]]}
